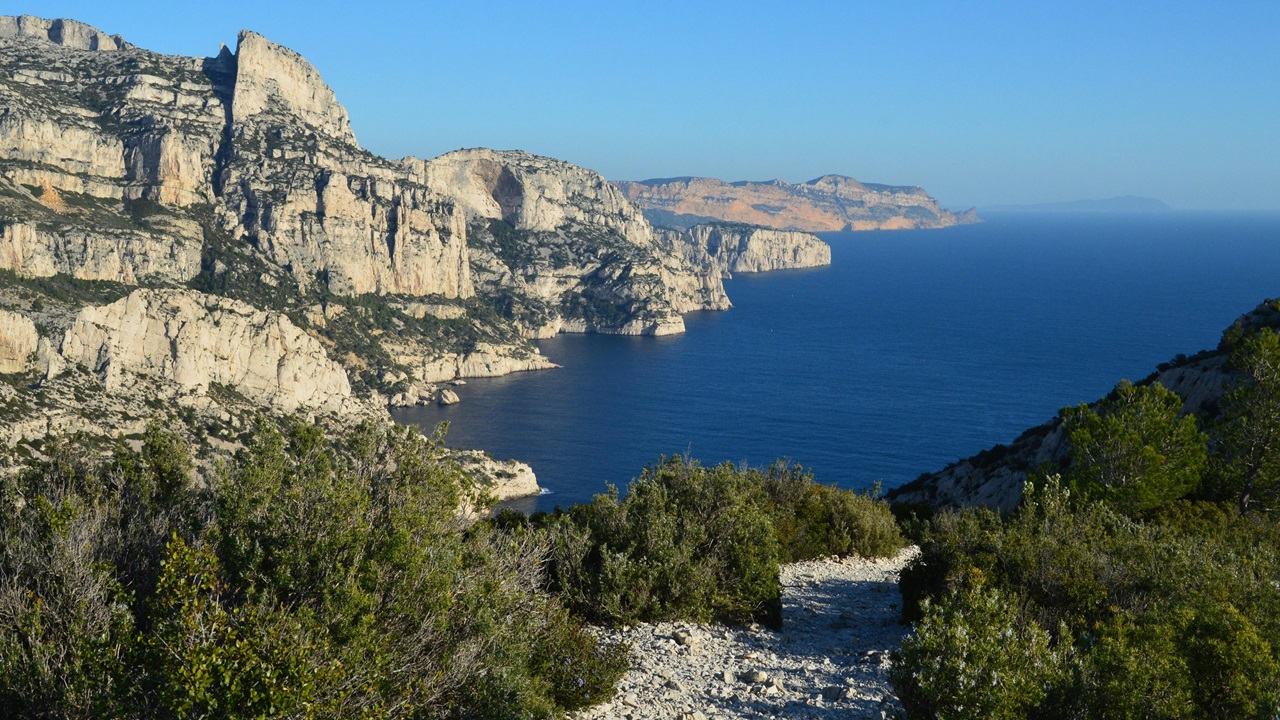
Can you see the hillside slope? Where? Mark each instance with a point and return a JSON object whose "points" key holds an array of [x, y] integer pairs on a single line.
{"points": [[995, 477]]}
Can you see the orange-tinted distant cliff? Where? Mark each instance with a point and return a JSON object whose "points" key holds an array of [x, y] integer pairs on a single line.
{"points": [[829, 203]]}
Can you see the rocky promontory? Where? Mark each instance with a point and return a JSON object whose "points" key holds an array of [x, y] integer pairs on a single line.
{"points": [[830, 203]]}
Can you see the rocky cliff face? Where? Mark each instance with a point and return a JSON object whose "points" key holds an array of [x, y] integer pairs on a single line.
{"points": [[198, 341], [565, 247], [18, 342], [826, 204], [67, 33], [742, 248], [114, 164], [296, 184]]}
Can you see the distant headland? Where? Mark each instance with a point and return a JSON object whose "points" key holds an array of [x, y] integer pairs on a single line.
{"points": [[831, 203]]}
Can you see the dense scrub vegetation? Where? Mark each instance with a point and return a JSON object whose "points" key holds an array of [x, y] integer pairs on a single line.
{"points": [[304, 579], [309, 577], [698, 543], [1141, 580]]}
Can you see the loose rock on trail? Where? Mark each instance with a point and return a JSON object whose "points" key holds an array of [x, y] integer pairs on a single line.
{"points": [[831, 659]]}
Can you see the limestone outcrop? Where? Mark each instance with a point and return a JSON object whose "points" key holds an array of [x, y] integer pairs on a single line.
{"points": [[502, 479], [742, 248], [826, 204], [67, 33], [296, 184], [580, 257], [150, 151], [18, 342], [273, 80], [197, 342]]}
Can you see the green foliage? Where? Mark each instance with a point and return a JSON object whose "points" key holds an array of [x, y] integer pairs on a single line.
{"points": [[1246, 467], [1170, 616], [205, 657], [1135, 452], [1234, 671], [578, 669], [687, 542], [812, 520], [703, 543], [306, 579], [63, 621], [973, 656], [1135, 670]]}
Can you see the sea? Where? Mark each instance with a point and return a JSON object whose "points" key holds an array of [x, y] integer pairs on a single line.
{"points": [[911, 350]]}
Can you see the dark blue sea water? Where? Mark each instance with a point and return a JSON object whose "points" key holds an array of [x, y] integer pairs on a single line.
{"points": [[913, 349]]}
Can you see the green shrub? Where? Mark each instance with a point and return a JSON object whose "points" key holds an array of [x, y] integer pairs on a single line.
{"points": [[1135, 452], [64, 624], [1135, 670], [1174, 616], [578, 669], [973, 656], [686, 542], [1245, 468], [813, 520], [1234, 671]]}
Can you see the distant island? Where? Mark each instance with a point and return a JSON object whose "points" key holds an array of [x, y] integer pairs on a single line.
{"points": [[831, 203], [1123, 203]]}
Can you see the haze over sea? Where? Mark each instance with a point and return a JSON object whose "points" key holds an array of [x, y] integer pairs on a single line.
{"points": [[913, 349]]}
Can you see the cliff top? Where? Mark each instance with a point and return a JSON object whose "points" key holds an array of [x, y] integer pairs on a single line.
{"points": [[60, 31]]}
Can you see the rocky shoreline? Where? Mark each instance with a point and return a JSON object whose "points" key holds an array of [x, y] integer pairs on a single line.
{"points": [[831, 659]]}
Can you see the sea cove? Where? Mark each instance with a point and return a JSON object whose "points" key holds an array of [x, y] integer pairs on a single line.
{"points": [[913, 349]]}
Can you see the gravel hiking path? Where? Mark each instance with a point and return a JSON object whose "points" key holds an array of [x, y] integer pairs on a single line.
{"points": [[831, 660]]}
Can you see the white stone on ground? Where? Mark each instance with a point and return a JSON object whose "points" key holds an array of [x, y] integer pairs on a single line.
{"points": [[831, 660]]}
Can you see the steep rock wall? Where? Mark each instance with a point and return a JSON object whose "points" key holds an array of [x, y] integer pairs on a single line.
{"points": [[18, 342], [738, 248], [196, 340]]}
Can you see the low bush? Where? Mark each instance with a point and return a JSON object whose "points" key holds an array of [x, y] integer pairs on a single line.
{"points": [[812, 520], [700, 543], [974, 656], [686, 542]]}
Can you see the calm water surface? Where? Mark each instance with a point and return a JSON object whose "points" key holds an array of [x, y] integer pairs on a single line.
{"points": [[913, 349]]}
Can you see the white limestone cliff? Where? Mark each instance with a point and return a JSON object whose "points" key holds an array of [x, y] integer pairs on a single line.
{"points": [[18, 342], [298, 185], [196, 341], [68, 33], [743, 248], [586, 240], [271, 78], [108, 254]]}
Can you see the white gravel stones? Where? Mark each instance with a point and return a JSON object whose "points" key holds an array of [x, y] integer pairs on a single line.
{"points": [[831, 660]]}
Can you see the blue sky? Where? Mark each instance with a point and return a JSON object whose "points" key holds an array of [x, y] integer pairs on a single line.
{"points": [[979, 103]]}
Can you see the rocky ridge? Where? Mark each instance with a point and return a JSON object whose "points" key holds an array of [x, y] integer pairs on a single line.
{"points": [[995, 477], [831, 659], [195, 341], [830, 203]]}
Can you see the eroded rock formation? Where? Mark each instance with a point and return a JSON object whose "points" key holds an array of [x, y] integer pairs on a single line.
{"points": [[742, 248], [198, 341]]}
